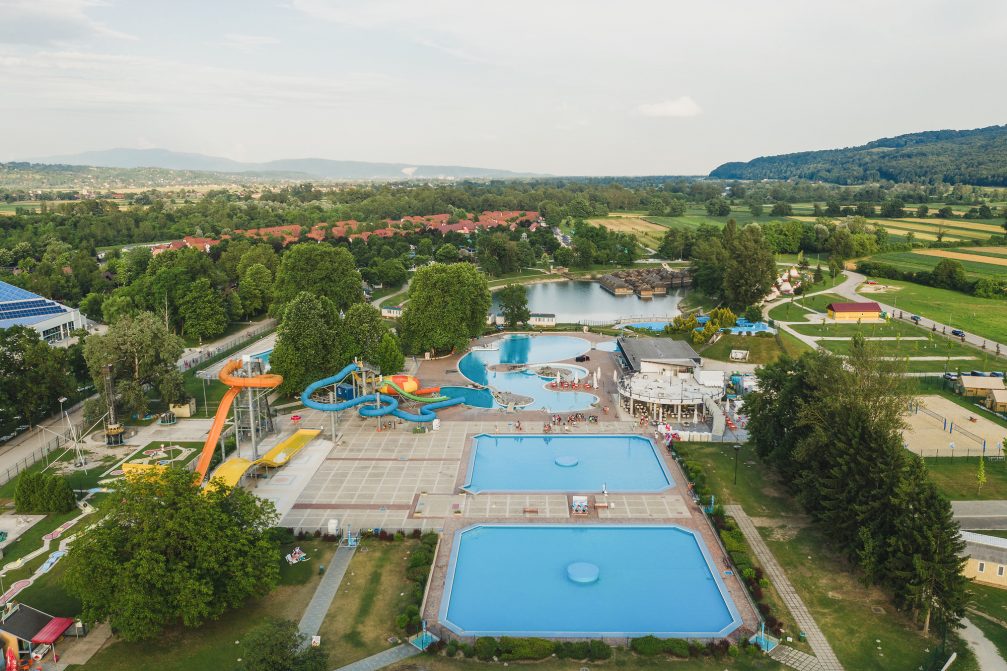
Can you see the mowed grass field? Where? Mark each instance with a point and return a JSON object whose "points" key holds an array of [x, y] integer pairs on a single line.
{"points": [[985, 317]]}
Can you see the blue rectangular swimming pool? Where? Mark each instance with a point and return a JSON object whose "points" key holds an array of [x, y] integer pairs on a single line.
{"points": [[566, 463], [580, 581]]}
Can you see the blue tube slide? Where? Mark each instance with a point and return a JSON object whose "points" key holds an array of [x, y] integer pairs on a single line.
{"points": [[388, 405]]}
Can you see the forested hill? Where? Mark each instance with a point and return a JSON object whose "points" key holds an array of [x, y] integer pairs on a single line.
{"points": [[977, 157]]}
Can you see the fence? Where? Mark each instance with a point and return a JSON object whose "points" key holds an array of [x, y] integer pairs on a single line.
{"points": [[185, 364], [55, 443]]}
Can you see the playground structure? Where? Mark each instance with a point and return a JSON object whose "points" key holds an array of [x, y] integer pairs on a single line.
{"points": [[373, 396]]}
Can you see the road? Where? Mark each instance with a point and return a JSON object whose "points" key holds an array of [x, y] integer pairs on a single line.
{"points": [[854, 279]]}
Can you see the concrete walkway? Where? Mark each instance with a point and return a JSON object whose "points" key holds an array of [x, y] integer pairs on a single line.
{"points": [[986, 653], [314, 614], [826, 659], [980, 515], [383, 658]]}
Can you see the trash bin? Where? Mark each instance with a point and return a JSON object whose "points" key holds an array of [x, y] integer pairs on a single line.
{"points": [[321, 570], [802, 636]]}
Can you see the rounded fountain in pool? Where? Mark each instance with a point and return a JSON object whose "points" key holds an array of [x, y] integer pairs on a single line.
{"points": [[518, 349], [583, 572]]}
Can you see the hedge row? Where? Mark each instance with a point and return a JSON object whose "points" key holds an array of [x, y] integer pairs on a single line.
{"points": [[417, 571], [508, 649], [39, 493]]}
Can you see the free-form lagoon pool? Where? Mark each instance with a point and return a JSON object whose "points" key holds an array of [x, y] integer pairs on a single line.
{"points": [[519, 349], [579, 581], [566, 463]]}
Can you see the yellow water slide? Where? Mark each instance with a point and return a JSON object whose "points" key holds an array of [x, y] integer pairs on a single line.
{"points": [[229, 473]]}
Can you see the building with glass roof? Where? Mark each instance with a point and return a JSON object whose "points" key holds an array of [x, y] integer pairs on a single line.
{"points": [[54, 321]]}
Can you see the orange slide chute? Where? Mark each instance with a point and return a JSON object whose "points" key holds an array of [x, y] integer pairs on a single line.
{"points": [[235, 385]]}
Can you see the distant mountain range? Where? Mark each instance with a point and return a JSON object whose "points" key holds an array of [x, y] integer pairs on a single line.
{"points": [[295, 168], [977, 157]]}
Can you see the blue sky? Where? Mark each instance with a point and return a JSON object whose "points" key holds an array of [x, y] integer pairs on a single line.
{"points": [[557, 86]]}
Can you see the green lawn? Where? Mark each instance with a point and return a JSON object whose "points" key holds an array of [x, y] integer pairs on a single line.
{"points": [[792, 346], [48, 594], [790, 311], [888, 329], [956, 478], [212, 645], [760, 350], [79, 479], [990, 600], [843, 607], [194, 445], [986, 317], [819, 301], [31, 540], [757, 491]]}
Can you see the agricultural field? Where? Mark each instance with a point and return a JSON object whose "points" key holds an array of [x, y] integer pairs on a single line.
{"points": [[985, 317], [649, 234], [924, 260]]}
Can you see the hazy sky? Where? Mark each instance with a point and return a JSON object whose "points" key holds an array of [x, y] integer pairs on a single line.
{"points": [[557, 86]]}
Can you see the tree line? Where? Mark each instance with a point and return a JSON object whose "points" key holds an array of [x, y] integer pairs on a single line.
{"points": [[831, 429]]}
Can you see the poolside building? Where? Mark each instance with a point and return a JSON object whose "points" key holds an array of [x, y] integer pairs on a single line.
{"points": [[851, 312], [54, 321], [986, 559], [542, 319], [996, 400], [664, 381]]}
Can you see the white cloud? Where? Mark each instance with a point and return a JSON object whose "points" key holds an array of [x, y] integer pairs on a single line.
{"points": [[247, 42], [51, 22], [683, 106]]}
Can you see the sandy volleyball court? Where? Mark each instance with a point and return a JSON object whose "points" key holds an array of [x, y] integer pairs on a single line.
{"points": [[931, 436]]}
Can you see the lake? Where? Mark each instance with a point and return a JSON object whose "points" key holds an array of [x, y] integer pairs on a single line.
{"points": [[574, 301]]}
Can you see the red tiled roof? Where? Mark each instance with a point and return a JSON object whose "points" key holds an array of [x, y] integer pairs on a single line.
{"points": [[854, 307]]}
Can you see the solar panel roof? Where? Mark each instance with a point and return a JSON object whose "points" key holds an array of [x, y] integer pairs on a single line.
{"points": [[9, 292]]}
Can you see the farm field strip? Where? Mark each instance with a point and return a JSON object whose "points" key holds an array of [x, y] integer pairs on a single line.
{"points": [[648, 232], [957, 223], [913, 261], [927, 229], [948, 254]]}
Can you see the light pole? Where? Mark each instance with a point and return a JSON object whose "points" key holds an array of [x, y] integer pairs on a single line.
{"points": [[737, 450]]}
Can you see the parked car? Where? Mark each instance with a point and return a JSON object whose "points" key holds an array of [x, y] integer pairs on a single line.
{"points": [[950, 376], [915, 318], [582, 358], [958, 332]]}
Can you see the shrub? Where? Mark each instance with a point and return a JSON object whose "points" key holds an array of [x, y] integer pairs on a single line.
{"points": [[452, 648], [43, 493], [468, 650], [525, 648], [648, 646], [599, 650], [676, 647], [416, 534], [486, 648]]}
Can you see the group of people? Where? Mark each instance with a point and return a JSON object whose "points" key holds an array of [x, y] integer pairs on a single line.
{"points": [[571, 421]]}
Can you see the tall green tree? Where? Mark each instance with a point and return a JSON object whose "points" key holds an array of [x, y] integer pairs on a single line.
{"points": [[255, 289], [448, 305], [143, 353], [310, 342], [514, 304], [750, 270], [320, 269], [170, 553], [202, 311], [32, 374], [364, 329], [388, 355]]}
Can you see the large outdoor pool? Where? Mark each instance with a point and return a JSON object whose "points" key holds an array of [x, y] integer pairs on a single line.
{"points": [[568, 581], [566, 463], [576, 301], [526, 349]]}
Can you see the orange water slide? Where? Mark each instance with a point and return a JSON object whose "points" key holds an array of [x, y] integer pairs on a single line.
{"points": [[235, 385]]}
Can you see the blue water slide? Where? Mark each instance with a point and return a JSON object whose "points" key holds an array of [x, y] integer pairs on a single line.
{"points": [[335, 379], [426, 413], [389, 405]]}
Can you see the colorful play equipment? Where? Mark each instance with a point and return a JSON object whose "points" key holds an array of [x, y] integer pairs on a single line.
{"points": [[231, 471], [371, 401]]}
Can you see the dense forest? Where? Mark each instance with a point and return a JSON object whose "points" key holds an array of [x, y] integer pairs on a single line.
{"points": [[977, 157]]}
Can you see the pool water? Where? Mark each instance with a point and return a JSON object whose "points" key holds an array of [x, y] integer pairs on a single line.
{"points": [[475, 398], [568, 581], [607, 346], [651, 326], [566, 463], [525, 349]]}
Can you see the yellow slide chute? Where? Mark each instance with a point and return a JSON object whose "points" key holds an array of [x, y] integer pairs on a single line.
{"points": [[229, 473]]}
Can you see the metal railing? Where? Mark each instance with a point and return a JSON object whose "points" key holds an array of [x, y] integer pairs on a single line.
{"points": [[56, 442], [188, 363]]}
